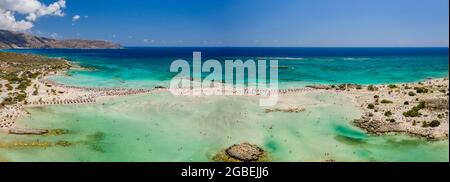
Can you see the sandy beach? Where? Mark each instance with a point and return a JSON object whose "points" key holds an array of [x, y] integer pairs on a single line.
{"points": [[86, 117], [373, 119]]}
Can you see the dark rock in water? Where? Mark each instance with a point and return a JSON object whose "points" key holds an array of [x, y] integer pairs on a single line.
{"points": [[159, 86], [21, 131], [245, 152]]}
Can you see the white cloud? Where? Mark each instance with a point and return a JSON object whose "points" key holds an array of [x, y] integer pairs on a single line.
{"points": [[76, 18], [9, 22], [54, 35], [31, 9]]}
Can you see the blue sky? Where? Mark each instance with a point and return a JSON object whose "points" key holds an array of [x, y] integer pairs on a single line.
{"points": [[329, 23]]}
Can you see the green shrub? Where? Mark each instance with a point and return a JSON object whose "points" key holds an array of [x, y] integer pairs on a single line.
{"points": [[34, 75], [35, 92], [376, 96], [411, 94], [414, 112], [434, 123], [371, 88], [8, 101], [21, 97], [406, 103], [421, 105], [392, 86], [23, 85], [388, 113], [384, 101], [421, 90], [9, 87], [371, 106]]}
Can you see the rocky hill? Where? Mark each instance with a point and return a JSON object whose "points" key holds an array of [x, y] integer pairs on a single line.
{"points": [[11, 40]]}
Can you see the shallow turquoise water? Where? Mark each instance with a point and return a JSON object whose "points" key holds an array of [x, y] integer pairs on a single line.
{"points": [[148, 67], [334, 70], [165, 128], [162, 127]]}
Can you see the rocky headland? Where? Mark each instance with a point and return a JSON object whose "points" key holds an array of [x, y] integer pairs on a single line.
{"points": [[17, 40]]}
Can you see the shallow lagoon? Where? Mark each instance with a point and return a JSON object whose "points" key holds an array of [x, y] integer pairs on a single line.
{"points": [[165, 128], [162, 127]]}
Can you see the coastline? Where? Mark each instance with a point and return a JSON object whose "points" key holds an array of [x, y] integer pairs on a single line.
{"points": [[301, 104], [46, 92], [387, 108], [360, 97]]}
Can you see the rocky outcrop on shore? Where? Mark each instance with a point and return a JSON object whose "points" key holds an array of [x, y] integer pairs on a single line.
{"points": [[419, 109]]}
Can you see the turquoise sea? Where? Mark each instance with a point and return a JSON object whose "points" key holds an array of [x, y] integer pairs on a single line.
{"points": [[162, 127], [147, 67]]}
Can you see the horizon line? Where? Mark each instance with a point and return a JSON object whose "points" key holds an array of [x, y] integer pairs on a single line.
{"points": [[125, 46]]}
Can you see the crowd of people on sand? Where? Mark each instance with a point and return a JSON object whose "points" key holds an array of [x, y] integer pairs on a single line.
{"points": [[90, 96], [9, 115], [81, 100], [293, 91], [104, 91], [245, 91]]}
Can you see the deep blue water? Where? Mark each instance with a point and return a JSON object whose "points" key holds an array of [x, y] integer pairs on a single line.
{"points": [[214, 52], [147, 67]]}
